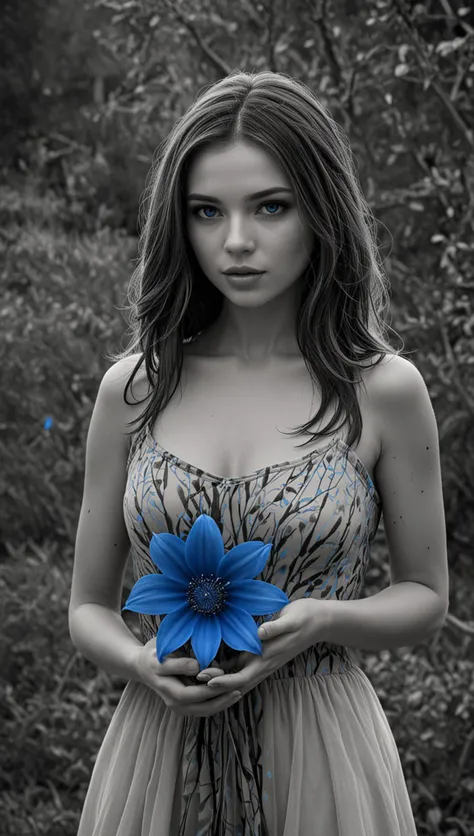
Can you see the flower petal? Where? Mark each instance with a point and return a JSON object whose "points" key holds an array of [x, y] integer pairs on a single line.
{"points": [[167, 552], [174, 631], [206, 639], [257, 597], [239, 630], [204, 546], [244, 561], [155, 594]]}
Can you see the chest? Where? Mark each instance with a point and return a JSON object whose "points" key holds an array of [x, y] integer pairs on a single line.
{"points": [[232, 421]]}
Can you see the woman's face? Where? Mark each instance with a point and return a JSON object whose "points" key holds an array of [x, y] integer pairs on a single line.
{"points": [[229, 227]]}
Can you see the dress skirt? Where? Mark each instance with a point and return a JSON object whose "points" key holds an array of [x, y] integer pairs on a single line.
{"points": [[320, 761]]}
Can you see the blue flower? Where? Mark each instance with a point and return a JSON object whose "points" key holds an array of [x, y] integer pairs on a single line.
{"points": [[209, 594]]}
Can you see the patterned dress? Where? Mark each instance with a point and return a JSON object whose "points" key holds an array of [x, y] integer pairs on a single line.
{"points": [[307, 752]]}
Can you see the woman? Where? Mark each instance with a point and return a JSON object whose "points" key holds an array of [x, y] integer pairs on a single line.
{"points": [[257, 176]]}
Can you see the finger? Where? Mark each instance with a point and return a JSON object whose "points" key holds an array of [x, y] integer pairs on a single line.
{"points": [[240, 679], [227, 682], [172, 666], [209, 673], [213, 706], [198, 694]]}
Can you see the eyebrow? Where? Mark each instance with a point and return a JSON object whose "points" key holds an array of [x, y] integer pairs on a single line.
{"points": [[255, 196]]}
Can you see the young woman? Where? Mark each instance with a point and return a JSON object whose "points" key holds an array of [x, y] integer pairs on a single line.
{"points": [[256, 176]]}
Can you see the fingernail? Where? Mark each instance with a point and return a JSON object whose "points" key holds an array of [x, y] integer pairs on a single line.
{"points": [[204, 677]]}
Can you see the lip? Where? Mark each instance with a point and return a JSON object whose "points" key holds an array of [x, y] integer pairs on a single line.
{"points": [[237, 271], [240, 280]]}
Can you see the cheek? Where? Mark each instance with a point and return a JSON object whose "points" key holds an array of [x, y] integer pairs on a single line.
{"points": [[203, 247], [292, 250], [302, 250], [294, 238], [193, 236]]}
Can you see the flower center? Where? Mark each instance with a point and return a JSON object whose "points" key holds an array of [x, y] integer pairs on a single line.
{"points": [[207, 595]]}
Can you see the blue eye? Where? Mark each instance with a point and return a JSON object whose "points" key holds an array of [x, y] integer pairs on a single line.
{"points": [[284, 206]]}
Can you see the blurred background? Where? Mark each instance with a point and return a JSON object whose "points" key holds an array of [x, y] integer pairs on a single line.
{"points": [[87, 92]]}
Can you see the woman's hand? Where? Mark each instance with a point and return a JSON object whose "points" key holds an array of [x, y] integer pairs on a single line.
{"points": [[294, 628], [169, 680]]}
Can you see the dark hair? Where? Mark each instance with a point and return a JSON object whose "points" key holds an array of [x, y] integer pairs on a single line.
{"points": [[345, 290]]}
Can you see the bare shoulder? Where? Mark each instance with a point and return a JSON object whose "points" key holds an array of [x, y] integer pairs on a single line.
{"points": [[124, 367], [120, 373], [394, 376], [398, 393], [116, 378], [409, 480]]}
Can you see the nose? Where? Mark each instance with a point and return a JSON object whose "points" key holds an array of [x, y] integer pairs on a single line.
{"points": [[239, 237]]}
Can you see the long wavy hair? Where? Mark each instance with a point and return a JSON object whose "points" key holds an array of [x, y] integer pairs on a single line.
{"points": [[339, 323]]}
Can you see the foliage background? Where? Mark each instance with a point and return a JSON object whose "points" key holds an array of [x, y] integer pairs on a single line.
{"points": [[87, 92]]}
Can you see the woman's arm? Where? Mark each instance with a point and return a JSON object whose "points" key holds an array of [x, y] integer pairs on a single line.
{"points": [[102, 636], [409, 481], [402, 615], [102, 544]]}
